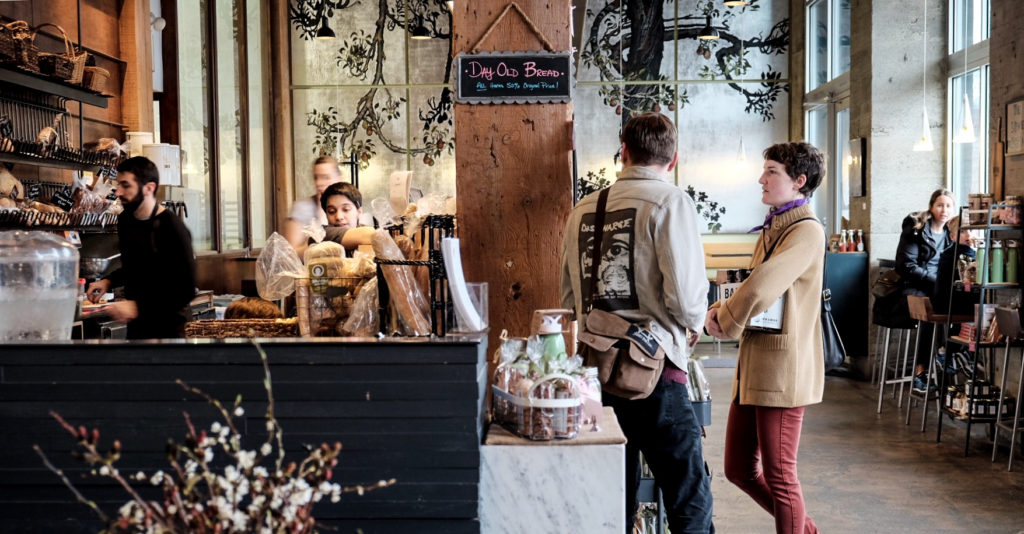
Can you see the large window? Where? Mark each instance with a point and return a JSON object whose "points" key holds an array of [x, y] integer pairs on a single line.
{"points": [[222, 72], [968, 109], [828, 41], [826, 104]]}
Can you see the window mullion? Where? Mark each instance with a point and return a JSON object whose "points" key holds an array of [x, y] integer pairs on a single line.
{"points": [[214, 127], [243, 116]]}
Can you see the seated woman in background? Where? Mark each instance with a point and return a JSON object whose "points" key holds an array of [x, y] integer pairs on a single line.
{"points": [[924, 239], [252, 308]]}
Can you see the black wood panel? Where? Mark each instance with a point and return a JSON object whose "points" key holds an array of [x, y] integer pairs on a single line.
{"points": [[403, 410]]}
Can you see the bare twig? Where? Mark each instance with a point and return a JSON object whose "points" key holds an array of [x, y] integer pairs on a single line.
{"points": [[81, 498]]}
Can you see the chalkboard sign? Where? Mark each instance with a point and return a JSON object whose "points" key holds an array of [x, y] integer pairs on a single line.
{"points": [[64, 199], [514, 77], [33, 190]]}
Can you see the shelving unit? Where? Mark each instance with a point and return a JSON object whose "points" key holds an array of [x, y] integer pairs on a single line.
{"points": [[974, 344]]}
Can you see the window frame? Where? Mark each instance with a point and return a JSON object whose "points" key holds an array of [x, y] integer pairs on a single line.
{"points": [[172, 106], [961, 63]]}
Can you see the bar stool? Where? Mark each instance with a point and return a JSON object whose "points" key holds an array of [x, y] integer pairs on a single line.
{"points": [[921, 309], [900, 375], [1009, 325]]}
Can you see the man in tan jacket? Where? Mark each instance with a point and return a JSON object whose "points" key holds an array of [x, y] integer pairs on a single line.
{"points": [[650, 271]]}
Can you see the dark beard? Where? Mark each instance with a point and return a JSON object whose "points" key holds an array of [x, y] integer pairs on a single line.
{"points": [[132, 205]]}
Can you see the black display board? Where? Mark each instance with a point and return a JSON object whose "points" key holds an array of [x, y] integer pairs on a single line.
{"points": [[514, 77]]}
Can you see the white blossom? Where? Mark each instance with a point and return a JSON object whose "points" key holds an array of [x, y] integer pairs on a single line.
{"points": [[266, 449], [208, 455], [158, 478], [260, 471], [239, 412], [246, 459], [270, 426], [215, 427], [105, 470]]}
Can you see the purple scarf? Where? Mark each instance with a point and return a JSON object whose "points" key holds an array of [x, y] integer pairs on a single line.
{"points": [[777, 211]]}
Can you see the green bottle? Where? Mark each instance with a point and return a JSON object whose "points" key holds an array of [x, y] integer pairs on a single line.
{"points": [[1012, 260], [996, 264]]}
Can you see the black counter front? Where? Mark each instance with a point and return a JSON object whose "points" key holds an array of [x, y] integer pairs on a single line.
{"points": [[411, 410]]}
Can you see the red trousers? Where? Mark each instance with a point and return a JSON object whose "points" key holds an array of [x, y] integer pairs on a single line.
{"points": [[761, 446]]}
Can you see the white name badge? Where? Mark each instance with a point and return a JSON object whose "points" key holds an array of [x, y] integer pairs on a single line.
{"points": [[769, 320]]}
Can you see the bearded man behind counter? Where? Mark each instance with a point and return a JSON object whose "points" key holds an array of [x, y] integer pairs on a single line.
{"points": [[158, 267]]}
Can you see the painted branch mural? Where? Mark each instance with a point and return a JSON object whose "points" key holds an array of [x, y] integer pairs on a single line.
{"points": [[361, 56], [627, 43]]}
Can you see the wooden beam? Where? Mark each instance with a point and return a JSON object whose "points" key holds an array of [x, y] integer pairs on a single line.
{"points": [[513, 172], [283, 181], [137, 52]]}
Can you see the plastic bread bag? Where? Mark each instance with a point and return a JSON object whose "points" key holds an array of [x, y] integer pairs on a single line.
{"points": [[406, 297], [364, 320], [277, 268], [701, 387]]}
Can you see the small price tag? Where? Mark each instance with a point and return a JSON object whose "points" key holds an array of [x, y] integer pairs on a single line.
{"points": [[73, 238], [64, 199], [33, 190]]}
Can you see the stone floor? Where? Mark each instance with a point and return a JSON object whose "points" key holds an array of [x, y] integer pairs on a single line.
{"points": [[864, 472]]}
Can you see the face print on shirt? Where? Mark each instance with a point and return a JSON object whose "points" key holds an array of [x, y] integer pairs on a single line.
{"points": [[616, 285]]}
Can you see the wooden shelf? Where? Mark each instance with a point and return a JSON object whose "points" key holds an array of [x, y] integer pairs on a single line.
{"points": [[13, 157], [38, 82]]}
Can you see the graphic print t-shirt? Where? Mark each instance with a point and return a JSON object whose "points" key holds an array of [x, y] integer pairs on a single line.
{"points": [[616, 286]]}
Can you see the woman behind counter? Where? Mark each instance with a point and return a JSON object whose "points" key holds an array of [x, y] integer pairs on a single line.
{"points": [[777, 374]]}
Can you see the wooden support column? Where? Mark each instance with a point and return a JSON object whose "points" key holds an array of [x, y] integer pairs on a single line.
{"points": [[137, 52], [281, 111], [513, 171]]}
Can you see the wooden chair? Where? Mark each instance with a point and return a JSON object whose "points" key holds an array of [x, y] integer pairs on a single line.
{"points": [[921, 310]]}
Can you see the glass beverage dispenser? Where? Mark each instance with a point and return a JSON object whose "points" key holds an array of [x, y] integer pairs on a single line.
{"points": [[38, 286]]}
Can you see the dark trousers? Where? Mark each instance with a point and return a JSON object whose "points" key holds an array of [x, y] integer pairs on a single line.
{"points": [[664, 427]]}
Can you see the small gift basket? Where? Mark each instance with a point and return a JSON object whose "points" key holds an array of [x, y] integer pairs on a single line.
{"points": [[539, 390]]}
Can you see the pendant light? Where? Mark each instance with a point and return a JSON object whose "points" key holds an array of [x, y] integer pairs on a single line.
{"points": [[741, 156], [708, 33], [325, 32], [924, 144], [736, 3], [965, 134]]}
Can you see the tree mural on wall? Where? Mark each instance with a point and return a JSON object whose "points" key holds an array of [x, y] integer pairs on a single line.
{"points": [[627, 43], [361, 56]]}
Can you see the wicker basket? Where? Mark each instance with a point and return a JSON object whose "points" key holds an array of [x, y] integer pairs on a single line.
{"points": [[95, 79], [222, 328], [69, 66], [16, 45]]}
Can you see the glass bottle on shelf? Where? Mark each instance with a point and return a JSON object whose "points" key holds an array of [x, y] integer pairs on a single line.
{"points": [[843, 243], [860, 240], [979, 247]]}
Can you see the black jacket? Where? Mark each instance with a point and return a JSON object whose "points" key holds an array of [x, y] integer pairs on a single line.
{"points": [[915, 254]]}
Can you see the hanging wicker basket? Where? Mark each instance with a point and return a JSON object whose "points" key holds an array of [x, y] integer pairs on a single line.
{"points": [[69, 66], [16, 45], [95, 79]]}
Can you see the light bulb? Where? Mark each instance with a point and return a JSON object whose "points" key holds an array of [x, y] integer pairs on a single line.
{"points": [[924, 144], [966, 132]]}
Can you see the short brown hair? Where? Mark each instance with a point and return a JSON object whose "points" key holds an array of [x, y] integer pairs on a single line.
{"points": [[252, 308], [327, 159], [650, 139], [799, 158]]}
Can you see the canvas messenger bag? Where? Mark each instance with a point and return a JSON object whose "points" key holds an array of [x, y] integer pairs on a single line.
{"points": [[628, 358]]}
